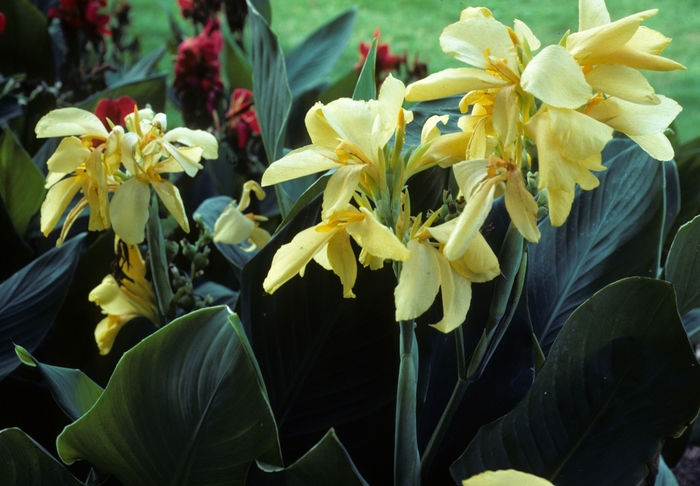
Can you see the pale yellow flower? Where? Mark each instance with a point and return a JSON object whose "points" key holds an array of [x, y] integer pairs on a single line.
{"points": [[233, 227], [123, 298], [329, 244]]}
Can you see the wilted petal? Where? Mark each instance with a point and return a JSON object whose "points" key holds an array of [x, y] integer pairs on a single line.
{"points": [[469, 174], [450, 82], [376, 238], [70, 121], [419, 281], [232, 227], [623, 82], [300, 162], [68, 156], [170, 195], [192, 138], [556, 78], [128, 210], [342, 260]]}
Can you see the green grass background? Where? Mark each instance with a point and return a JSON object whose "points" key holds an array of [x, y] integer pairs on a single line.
{"points": [[414, 26]]}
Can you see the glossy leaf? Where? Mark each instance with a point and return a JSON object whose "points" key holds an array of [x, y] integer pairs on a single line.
{"points": [[149, 91], [683, 266], [366, 87], [25, 46], [185, 406], [73, 391], [311, 61], [327, 361], [24, 461], [613, 232], [21, 183], [31, 298], [326, 463], [237, 68], [273, 100], [592, 401]]}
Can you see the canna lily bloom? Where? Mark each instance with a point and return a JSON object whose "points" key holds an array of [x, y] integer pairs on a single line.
{"points": [[329, 244], [124, 297], [430, 271], [147, 152], [233, 227]]}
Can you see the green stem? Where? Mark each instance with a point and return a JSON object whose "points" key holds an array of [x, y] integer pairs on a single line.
{"points": [[158, 262], [406, 458]]}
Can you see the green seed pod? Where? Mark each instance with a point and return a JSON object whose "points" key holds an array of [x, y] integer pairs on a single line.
{"points": [[200, 261]]}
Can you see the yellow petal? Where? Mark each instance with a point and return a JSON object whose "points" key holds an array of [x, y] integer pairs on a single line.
{"points": [[388, 106], [170, 195], [419, 281], [232, 227], [128, 210], [260, 237], [505, 478], [641, 52], [342, 260], [456, 297], [450, 82], [340, 189], [579, 136], [592, 13], [635, 119], [430, 130], [479, 263], [95, 190], [525, 34], [107, 330], [560, 201], [57, 200], [475, 12], [110, 298], [468, 39], [300, 162], [521, 207], [130, 143], [320, 131], [554, 77], [192, 138], [189, 165], [68, 156], [354, 121], [376, 238], [445, 151], [469, 175], [70, 121], [506, 116], [655, 144], [623, 82], [291, 258]]}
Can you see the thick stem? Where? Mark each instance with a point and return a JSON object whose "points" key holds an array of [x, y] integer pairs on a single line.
{"points": [[406, 458], [159, 263]]}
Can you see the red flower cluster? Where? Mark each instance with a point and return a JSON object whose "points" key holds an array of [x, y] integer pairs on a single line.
{"points": [[83, 15], [197, 68], [200, 11], [242, 117], [3, 20], [386, 62], [115, 110]]}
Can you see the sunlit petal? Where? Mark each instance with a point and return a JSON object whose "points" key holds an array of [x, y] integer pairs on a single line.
{"points": [[450, 82], [57, 200], [623, 82], [377, 239], [655, 144], [300, 162], [128, 210], [198, 138], [340, 188], [68, 156], [70, 121], [468, 39], [419, 281], [170, 195]]}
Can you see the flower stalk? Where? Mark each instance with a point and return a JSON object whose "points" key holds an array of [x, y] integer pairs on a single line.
{"points": [[159, 263], [406, 457]]}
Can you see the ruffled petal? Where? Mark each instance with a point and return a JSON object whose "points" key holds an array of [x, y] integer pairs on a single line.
{"points": [[634, 119], [68, 156], [468, 39], [70, 121], [300, 162], [107, 330], [57, 200], [192, 138], [340, 189], [109, 296], [377, 239], [456, 297], [188, 164]]}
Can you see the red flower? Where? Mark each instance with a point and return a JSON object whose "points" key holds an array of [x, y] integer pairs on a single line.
{"points": [[115, 110], [3, 20], [83, 15], [386, 62], [242, 117], [197, 68], [199, 11]]}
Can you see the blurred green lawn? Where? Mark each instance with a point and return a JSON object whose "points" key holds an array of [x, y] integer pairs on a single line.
{"points": [[414, 26]]}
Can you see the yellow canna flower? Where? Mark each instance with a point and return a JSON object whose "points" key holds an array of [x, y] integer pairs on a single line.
{"points": [[233, 227], [329, 244], [124, 297]]}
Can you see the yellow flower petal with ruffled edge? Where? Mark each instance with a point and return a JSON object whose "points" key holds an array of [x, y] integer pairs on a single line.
{"points": [[450, 82], [198, 138], [300, 162], [110, 298], [65, 122], [128, 210], [636, 119], [69, 155], [340, 189], [342, 260], [107, 330], [188, 164], [622, 82], [456, 297], [57, 200], [467, 40], [642, 52], [419, 281], [376, 238], [479, 263]]}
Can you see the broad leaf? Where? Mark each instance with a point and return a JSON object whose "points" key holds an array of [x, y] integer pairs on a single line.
{"points": [[343, 87], [613, 232], [74, 392], [21, 183], [688, 164], [139, 71], [237, 68], [683, 266], [25, 46], [185, 406], [326, 463], [273, 100], [306, 198], [149, 91], [366, 87], [327, 361], [311, 61], [24, 461], [31, 298], [592, 402]]}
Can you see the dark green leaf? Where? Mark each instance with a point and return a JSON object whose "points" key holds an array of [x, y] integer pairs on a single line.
{"points": [[424, 110], [672, 189], [25, 46], [264, 8], [273, 100], [150, 91], [620, 378], [327, 361], [326, 463], [158, 263], [141, 70], [310, 62], [366, 87], [31, 298], [12, 243], [289, 192], [613, 231], [688, 164], [24, 461], [683, 266], [220, 294], [343, 87], [21, 183], [305, 199], [237, 68], [185, 406], [74, 392]]}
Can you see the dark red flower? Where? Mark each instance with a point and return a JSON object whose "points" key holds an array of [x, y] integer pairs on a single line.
{"points": [[115, 110], [241, 116], [200, 11], [3, 20], [83, 15], [386, 62]]}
